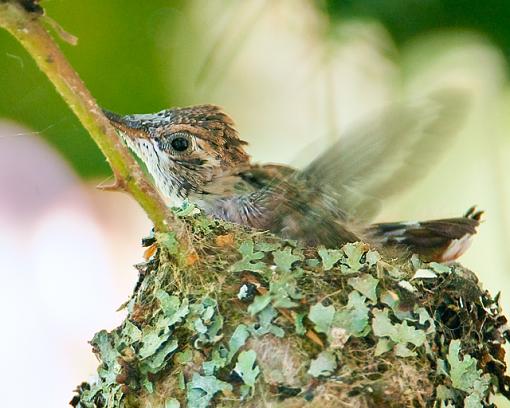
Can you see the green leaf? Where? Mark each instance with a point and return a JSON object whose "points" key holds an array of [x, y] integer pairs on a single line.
{"points": [[168, 303], [366, 284], [172, 403], [156, 362], [169, 241], [285, 258], [401, 350], [247, 262], [372, 257], [184, 356], [246, 367], [131, 332], [172, 307], [400, 333], [217, 360], [383, 346], [282, 291], [148, 385], [267, 246], [424, 317], [265, 317], [298, 323], [354, 316], [444, 393], [354, 251], [329, 257], [259, 303], [407, 286], [322, 317], [237, 340], [464, 374], [186, 210], [178, 315], [439, 268], [424, 274], [152, 341], [324, 365], [389, 298], [103, 342], [202, 389], [473, 401]]}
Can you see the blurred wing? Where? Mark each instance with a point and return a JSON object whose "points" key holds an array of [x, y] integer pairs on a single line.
{"points": [[379, 159]]}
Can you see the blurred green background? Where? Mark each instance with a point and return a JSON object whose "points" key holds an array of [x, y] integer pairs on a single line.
{"points": [[294, 74]]}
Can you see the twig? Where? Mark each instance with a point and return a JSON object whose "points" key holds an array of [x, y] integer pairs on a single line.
{"points": [[27, 29]]}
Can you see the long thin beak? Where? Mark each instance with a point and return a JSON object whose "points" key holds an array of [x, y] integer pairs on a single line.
{"points": [[125, 124]]}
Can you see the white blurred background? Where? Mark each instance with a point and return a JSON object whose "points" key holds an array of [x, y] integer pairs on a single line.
{"points": [[67, 250]]}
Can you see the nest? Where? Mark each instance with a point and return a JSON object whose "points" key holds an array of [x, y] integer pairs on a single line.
{"points": [[251, 320]]}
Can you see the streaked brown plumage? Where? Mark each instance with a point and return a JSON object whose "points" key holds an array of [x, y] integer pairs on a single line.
{"points": [[195, 154]]}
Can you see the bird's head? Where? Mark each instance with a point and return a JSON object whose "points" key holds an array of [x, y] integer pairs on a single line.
{"points": [[184, 149]]}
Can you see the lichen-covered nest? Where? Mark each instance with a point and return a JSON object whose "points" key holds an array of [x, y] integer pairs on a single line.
{"points": [[251, 320]]}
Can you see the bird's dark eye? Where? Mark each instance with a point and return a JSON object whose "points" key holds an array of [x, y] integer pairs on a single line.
{"points": [[175, 143], [180, 144]]}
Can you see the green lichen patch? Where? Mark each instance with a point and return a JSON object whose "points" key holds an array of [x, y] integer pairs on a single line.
{"points": [[266, 322]]}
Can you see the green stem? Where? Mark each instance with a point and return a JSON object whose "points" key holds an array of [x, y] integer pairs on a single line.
{"points": [[27, 29]]}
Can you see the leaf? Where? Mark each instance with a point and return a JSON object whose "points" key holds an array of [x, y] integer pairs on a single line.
{"points": [[282, 291], [298, 323], [147, 384], [324, 365], [464, 374], [285, 258], [265, 317], [473, 401], [322, 317], [218, 360], [354, 316], [178, 315], [439, 268], [424, 318], [389, 298], [172, 403], [247, 261], [400, 333], [383, 346], [267, 246], [401, 350], [172, 307], [407, 286], [372, 257], [424, 274], [202, 389], [184, 357], [366, 284], [131, 332], [246, 367], [354, 252], [102, 342], [237, 340], [157, 361], [329, 257], [169, 241], [259, 303], [152, 340], [444, 393]]}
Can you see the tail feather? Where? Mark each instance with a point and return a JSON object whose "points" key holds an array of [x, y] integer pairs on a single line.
{"points": [[437, 240]]}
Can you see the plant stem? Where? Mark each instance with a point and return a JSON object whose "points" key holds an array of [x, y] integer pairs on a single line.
{"points": [[27, 29]]}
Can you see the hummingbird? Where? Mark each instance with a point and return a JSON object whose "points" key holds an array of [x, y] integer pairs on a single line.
{"points": [[194, 154]]}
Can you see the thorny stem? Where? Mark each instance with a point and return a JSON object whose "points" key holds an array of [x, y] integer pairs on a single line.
{"points": [[27, 29]]}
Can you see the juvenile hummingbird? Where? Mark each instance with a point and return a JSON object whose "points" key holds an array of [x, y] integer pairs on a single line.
{"points": [[194, 154]]}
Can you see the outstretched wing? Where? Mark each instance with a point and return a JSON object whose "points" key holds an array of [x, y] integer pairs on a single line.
{"points": [[379, 159]]}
